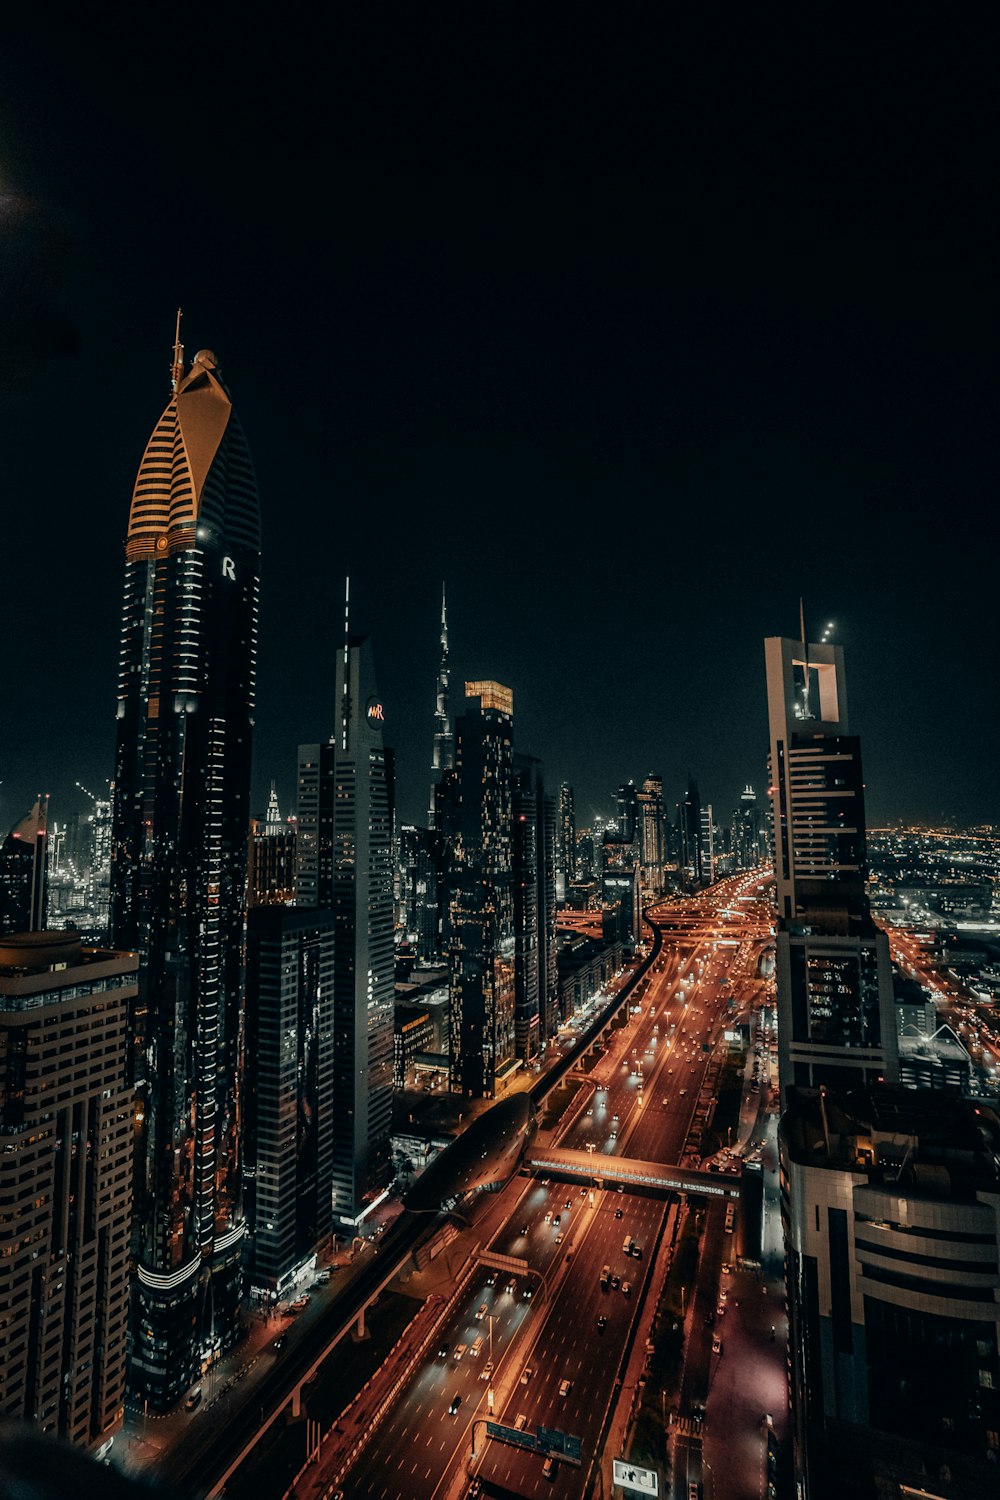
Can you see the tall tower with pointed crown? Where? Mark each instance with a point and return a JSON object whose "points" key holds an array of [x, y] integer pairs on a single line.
{"points": [[179, 865]]}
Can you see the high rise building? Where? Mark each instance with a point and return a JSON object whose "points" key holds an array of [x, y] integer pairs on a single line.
{"points": [[620, 885], [66, 1132], [706, 841], [652, 844], [289, 1094], [891, 1217], [418, 890], [180, 826], [746, 838], [482, 907], [443, 757], [628, 813], [565, 842], [689, 835], [836, 1011], [536, 978], [271, 874], [345, 865], [24, 872]]}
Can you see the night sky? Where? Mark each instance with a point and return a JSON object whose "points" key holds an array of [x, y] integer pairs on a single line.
{"points": [[631, 328]]}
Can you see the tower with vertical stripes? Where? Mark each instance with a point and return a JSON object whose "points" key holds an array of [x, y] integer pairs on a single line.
{"points": [[179, 866]]}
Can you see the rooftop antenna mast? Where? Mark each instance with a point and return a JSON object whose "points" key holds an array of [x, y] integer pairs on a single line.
{"points": [[177, 368], [806, 714]]}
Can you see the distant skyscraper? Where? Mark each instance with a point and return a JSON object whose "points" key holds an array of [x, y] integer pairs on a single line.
{"points": [[345, 864], [443, 757], [746, 836], [482, 909], [652, 846], [289, 1094], [180, 826], [271, 875], [24, 872], [689, 834], [418, 890], [628, 813], [706, 841], [565, 842], [836, 1011], [66, 1132]]}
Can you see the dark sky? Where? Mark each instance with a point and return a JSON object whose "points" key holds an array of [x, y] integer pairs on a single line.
{"points": [[633, 328]]}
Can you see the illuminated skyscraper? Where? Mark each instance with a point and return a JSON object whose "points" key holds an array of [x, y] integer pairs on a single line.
{"points": [[443, 757], [536, 1008], [345, 865], [689, 834], [745, 839], [565, 842], [652, 846], [836, 1012], [271, 874], [24, 872], [482, 908], [179, 865]]}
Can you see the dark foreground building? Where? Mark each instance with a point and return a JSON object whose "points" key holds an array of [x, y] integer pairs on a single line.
{"points": [[179, 866], [66, 1124], [891, 1209]]}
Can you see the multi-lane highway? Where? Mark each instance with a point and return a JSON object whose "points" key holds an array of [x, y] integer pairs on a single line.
{"points": [[556, 1353]]}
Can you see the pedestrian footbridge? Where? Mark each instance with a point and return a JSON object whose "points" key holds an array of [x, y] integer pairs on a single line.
{"points": [[597, 1169]]}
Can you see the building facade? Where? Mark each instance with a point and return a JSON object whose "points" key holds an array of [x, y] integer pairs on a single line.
{"points": [[289, 1092], [66, 1129], [836, 1011], [180, 824], [891, 1210], [443, 756], [479, 831], [345, 865], [24, 873]]}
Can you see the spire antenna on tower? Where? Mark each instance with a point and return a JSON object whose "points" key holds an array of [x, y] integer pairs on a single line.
{"points": [[345, 695], [177, 368]]}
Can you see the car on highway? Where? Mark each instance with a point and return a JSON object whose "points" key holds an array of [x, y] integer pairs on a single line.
{"points": [[194, 1399], [510, 1285], [616, 1282], [443, 1351], [618, 1213], [481, 1312], [565, 1386], [520, 1422], [716, 1345], [549, 1468], [279, 1342], [491, 1279], [602, 1323], [523, 1229], [548, 1216], [526, 1374], [528, 1292], [627, 1288], [487, 1370], [460, 1349], [299, 1304], [456, 1402]]}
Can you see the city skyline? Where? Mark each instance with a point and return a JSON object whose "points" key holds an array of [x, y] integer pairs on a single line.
{"points": [[776, 384]]}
